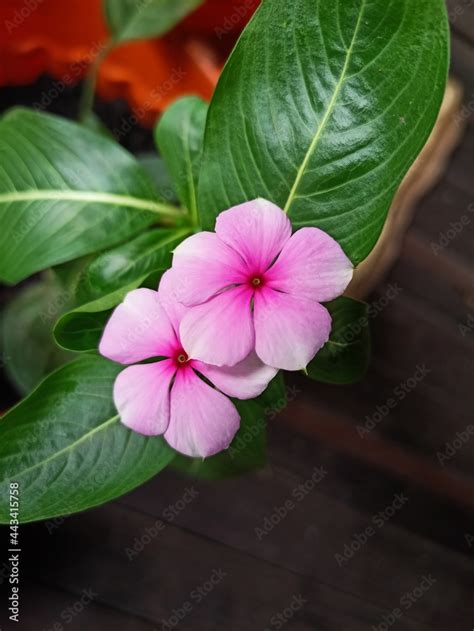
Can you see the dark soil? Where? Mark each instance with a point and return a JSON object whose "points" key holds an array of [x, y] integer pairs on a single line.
{"points": [[49, 95]]}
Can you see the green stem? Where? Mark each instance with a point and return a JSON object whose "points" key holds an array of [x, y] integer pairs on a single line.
{"points": [[88, 90]]}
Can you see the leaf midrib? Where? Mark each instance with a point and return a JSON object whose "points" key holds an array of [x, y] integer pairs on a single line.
{"points": [[70, 447], [330, 108], [88, 196]]}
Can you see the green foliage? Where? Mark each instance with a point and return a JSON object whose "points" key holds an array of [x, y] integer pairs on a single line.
{"points": [[141, 19], [345, 357], [179, 136], [66, 448], [29, 352], [322, 108], [65, 192], [106, 281]]}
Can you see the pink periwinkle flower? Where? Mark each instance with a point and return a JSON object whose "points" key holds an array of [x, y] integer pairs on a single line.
{"points": [[252, 285], [169, 396]]}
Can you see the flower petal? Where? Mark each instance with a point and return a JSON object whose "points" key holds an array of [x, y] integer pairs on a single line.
{"points": [[220, 331], [246, 380], [167, 294], [203, 421], [258, 230], [313, 265], [138, 329], [289, 330], [203, 265], [142, 397]]}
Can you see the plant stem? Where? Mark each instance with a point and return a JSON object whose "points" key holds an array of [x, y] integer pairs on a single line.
{"points": [[88, 90]]}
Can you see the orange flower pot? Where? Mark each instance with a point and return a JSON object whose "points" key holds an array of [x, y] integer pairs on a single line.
{"points": [[62, 38]]}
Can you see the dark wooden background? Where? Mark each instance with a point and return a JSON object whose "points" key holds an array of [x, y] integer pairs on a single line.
{"points": [[206, 564]]}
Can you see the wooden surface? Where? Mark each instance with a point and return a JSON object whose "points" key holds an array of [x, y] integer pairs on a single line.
{"points": [[255, 577]]}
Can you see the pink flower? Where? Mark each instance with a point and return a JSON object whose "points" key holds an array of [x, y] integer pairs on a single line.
{"points": [[168, 396], [252, 285]]}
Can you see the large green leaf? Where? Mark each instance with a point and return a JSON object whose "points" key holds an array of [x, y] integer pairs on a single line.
{"points": [[156, 168], [26, 331], [179, 136], [66, 448], [322, 108], [107, 280], [140, 19], [345, 358], [65, 192]]}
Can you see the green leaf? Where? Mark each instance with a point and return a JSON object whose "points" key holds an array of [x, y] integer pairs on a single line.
{"points": [[155, 166], [345, 358], [275, 396], [80, 330], [65, 192], [129, 263], [66, 448], [179, 136], [322, 108], [248, 449], [26, 330], [107, 280], [140, 19]]}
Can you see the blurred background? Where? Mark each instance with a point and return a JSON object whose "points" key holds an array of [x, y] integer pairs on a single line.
{"points": [[363, 517]]}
